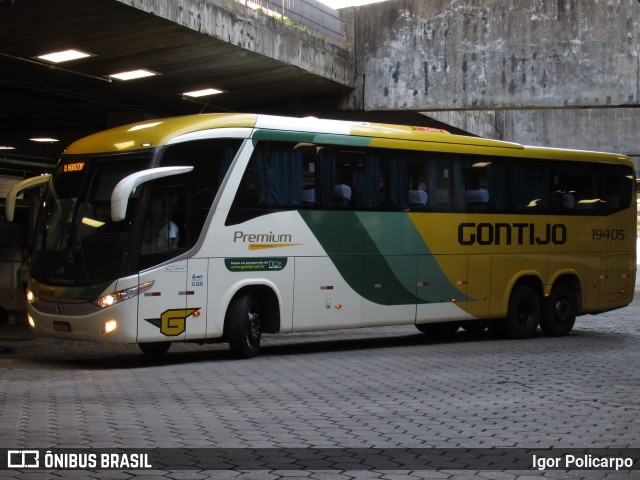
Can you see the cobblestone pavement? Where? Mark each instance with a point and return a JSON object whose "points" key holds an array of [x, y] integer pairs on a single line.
{"points": [[371, 388]]}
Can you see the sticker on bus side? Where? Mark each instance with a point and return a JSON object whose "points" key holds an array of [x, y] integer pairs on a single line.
{"points": [[173, 322], [255, 264]]}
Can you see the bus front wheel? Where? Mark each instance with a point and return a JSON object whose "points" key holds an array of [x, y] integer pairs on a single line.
{"points": [[524, 312], [243, 326], [559, 313], [154, 349]]}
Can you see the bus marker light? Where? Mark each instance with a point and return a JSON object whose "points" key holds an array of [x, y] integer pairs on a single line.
{"points": [[109, 326], [338, 306], [454, 300], [196, 314]]}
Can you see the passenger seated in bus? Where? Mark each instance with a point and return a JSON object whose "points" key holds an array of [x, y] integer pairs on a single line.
{"points": [[173, 233], [341, 195], [418, 198], [476, 200], [308, 196], [568, 201]]}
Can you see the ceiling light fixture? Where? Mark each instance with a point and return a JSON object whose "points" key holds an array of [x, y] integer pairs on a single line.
{"points": [[133, 74], [64, 56], [7, 147], [202, 93], [44, 140]]}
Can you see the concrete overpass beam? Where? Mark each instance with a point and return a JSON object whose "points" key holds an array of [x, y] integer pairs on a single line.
{"points": [[255, 32]]}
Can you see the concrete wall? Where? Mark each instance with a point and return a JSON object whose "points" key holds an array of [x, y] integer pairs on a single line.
{"points": [[469, 54], [544, 72], [604, 129]]}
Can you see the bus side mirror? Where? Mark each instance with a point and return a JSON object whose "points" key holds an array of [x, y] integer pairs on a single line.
{"points": [[14, 191], [124, 188]]}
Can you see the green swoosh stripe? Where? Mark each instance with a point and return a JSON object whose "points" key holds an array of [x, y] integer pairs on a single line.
{"points": [[378, 254]]}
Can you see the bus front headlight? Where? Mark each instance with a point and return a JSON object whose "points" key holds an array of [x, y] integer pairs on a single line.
{"points": [[31, 297], [122, 295]]}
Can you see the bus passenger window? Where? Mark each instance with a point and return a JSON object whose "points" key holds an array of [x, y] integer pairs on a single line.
{"points": [[484, 184], [531, 187], [351, 179], [279, 176], [439, 179], [407, 186]]}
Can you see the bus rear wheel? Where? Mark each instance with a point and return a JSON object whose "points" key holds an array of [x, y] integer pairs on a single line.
{"points": [[523, 315], [560, 311], [243, 326], [154, 349]]}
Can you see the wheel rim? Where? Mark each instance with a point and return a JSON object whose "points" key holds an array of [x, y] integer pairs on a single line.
{"points": [[562, 311], [526, 314], [253, 328]]}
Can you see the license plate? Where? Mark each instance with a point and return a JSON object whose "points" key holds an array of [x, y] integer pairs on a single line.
{"points": [[60, 326]]}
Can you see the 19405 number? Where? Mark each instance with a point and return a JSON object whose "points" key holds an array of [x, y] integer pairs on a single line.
{"points": [[608, 234]]}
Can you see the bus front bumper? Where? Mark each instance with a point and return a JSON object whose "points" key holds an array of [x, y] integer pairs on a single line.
{"points": [[68, 321]]}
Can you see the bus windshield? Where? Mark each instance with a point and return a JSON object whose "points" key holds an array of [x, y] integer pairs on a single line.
{"points": [[76, 243]]}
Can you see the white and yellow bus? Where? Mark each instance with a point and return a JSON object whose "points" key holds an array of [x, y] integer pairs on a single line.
{"points": [[223, 227]]}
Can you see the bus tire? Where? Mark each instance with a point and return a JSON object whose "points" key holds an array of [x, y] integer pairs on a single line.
{"points": [[243, 326], [559, 313], [154, 349], [523, 315], [443, 329]]}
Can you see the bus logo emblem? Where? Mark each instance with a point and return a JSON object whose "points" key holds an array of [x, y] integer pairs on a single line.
{"points": [[172, 322]]}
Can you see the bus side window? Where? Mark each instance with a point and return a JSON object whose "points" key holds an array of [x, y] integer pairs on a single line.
{"points": [[211, 160], [439, 182], [589, 189], [530, 186], [617, 188], [484, 180], [351, 178], [280, 175], [407, 184]]}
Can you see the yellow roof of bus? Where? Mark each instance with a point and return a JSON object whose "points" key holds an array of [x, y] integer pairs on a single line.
{"points": [[158, 132]]}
